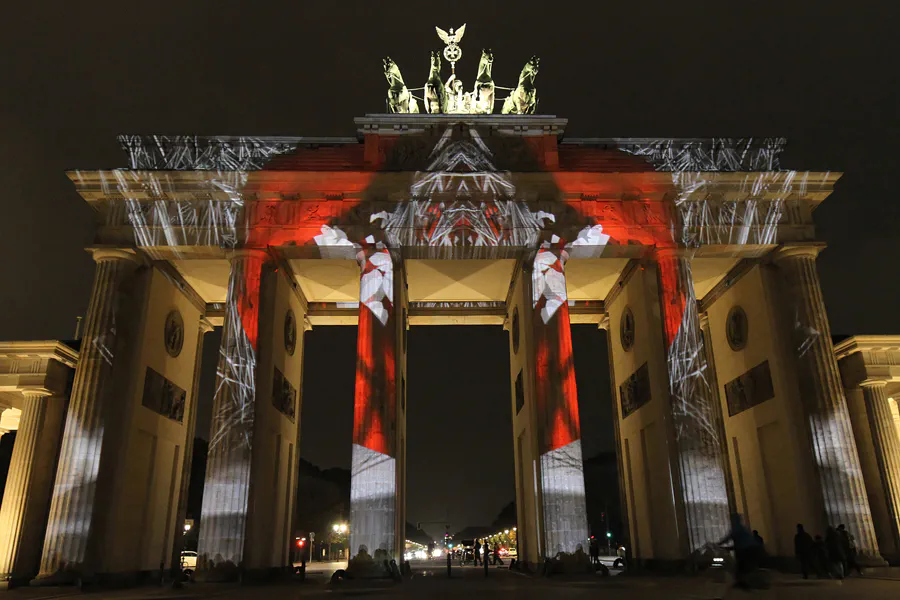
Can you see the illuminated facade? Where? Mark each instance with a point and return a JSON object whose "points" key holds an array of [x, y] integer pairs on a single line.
{"points": [[697, 256]]}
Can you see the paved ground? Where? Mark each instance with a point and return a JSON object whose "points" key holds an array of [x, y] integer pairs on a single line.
{"points": [[431, 583]]}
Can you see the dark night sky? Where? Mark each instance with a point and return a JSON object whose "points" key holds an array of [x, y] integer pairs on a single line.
{"points": [[74, 75]]}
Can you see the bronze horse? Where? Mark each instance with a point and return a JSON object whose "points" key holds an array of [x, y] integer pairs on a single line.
{"points": [[523, 99], [484, 84], [435, 92], [399, 100]]}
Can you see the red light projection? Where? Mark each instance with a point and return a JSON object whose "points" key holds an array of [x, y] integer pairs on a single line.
{"points": [[375, 398]]}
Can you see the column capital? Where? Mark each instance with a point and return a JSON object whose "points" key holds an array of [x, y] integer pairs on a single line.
{"points": [[704, 320], [797, 250], [35, 391], [114, 254], [873, 383], [669, 252], [205, 326], [237, 253], [604, 322]]}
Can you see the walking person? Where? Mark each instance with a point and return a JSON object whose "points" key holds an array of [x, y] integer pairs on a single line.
{"points": [[485, 561], [745, 551], [803, 550], [848, 546], [476, 554], [835, 552]]}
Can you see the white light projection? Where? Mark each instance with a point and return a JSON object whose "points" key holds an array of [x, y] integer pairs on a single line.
{"points": [[548, 282], [373, 501], [227, 482], [559, 435], [565, 509], [751, 214]]}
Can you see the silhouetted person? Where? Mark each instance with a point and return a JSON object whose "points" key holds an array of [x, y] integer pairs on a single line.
{"points": [[497, 558], [745, 549], [594, 549], [835, 552], [848, 547], [760, 548], [487, 556], [820, 556], [477, 550], [804, 551]]}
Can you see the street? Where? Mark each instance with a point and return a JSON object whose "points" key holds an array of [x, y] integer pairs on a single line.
{"points": [[429, 580]]}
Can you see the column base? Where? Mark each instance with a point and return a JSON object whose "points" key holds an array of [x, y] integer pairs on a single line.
{"points": [[59, 578], [231, 573], [219, 573], [123, 579], [865, 560], [12, 583]]}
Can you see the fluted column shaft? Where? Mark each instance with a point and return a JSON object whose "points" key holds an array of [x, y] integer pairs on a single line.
{"points": [[564, 519], [695, 416], [227, 484], [886, 441], [373, 471], [834, 447], [72, 506], [29, 484]]}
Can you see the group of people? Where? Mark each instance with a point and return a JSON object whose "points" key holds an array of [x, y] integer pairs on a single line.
{"points": [[489, 553], [833, 557]]}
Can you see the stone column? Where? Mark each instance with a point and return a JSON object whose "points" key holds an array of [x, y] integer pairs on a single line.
{"points": [[886, 441], [27, 493], [178, 547], [227, 484], [694, 415], [558, 432], [373, 472], [72, 506], [834, 447]]}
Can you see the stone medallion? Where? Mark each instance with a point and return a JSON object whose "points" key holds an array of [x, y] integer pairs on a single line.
{"points": [[174, 333], [736, 328], [626, 330], [290, 332], [515, 330]]}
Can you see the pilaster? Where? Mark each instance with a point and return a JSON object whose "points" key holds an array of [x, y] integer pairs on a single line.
{"points": [[191, 426]]}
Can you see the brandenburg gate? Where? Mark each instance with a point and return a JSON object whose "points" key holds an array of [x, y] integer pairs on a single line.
{"points": [[696, 255]]}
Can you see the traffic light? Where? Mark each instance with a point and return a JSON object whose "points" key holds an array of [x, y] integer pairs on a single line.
{"points": [[609, 534]]}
